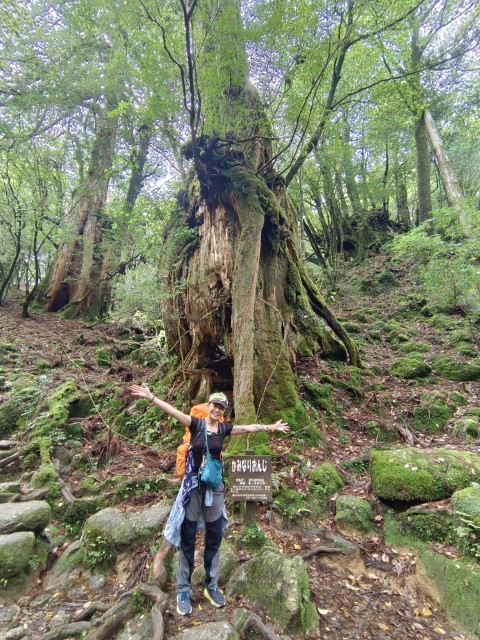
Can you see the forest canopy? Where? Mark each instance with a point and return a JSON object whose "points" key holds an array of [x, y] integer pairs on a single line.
{"points": [[205, 167]]}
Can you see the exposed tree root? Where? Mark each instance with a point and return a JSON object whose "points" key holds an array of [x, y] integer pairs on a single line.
{"points": [[6, 461], [254, 622], [87, 612], [315, 552], [115, 616], [67, 631], [406, 434]]}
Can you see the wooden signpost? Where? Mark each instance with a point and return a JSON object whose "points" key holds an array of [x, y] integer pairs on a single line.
{"points": [[250, 481]]}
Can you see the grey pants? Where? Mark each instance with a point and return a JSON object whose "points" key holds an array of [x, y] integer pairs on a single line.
{"points": [[213, 537]]}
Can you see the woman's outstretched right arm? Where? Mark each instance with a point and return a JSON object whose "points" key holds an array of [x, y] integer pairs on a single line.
{"points": [[142, 391]]}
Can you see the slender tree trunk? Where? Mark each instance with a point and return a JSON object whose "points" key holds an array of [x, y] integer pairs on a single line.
{"points": [[17, 236], [401, 199], [448, 177], [424, 192], [350, 174], [423, 170]]}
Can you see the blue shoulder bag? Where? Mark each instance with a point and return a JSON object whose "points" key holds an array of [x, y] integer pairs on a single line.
{"points": [[210, 472]]}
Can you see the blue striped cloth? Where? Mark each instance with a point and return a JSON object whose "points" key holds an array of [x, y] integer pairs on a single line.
{"points": [[177, 514]]}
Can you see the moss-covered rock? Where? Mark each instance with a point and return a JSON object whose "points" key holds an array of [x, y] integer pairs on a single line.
{"points": [[10, 412], [291, 504], [460, 335], [353, 515], [467, 428], [433, 413], [416, 347], [412, 367], [455, 584], [24, 516], [440, 320], [42, 365], [52, 420], [451, 369], [351, 327], [148, 356], [411, 475], [127, 529], [278, 584], [324, 482], [15, 552]]}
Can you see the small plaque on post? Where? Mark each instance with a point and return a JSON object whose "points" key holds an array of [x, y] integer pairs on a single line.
{"points": [[250, 478]]}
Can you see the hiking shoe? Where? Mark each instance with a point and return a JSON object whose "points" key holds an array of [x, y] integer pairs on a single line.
{"points": [[184, 606], [215, 596]]}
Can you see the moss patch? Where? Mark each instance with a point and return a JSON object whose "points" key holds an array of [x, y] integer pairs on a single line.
{"points": [[457, 585], [467, 502], [409, 368], [427, 526], [415, 347], [432, 414], [450, 369], [410, 475], [467, 428], [320, 395], [324, 481], [354, 514]]}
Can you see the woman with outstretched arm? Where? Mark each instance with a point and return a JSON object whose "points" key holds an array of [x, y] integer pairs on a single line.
{"points": [[196, 502]]}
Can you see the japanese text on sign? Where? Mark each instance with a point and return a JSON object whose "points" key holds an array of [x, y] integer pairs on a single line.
{"points": [[250, 478]]}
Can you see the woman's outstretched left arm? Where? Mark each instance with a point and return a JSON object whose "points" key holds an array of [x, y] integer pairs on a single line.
{"points": [[255, 428]]}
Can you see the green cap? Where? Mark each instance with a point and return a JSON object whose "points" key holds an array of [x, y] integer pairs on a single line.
{"points": [[219, 398]]}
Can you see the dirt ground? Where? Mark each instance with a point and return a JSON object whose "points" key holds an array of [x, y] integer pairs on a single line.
{"points": [[374, 594]]}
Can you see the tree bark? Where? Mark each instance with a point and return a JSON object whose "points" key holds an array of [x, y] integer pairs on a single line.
{"points": [[246, 306], [77, 277], [423, 170], [448, 177]]}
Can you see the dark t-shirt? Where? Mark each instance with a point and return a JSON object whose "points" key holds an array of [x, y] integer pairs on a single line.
{"points": [[215, 440]]}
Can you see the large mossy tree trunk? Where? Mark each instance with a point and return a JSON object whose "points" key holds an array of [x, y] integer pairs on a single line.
{"points": [[77, 280], [242, 306]]}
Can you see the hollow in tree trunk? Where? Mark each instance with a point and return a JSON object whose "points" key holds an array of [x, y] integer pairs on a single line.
{"points": [[242, 306]]}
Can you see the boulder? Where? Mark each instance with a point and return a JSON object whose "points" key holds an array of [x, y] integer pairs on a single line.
{"points": [[24, 516], [455, 585], [10, 487], [413, 475], [15, 552], [433, 412], [278, 584], [323, 482], [126, 529], [67, 568], [210, 631], [138, 628]]}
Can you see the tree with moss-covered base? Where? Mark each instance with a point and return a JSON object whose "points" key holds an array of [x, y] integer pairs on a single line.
{"points": [[246, 301]]}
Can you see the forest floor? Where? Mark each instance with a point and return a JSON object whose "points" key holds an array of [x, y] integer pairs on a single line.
{"points": [[374, 595]]}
